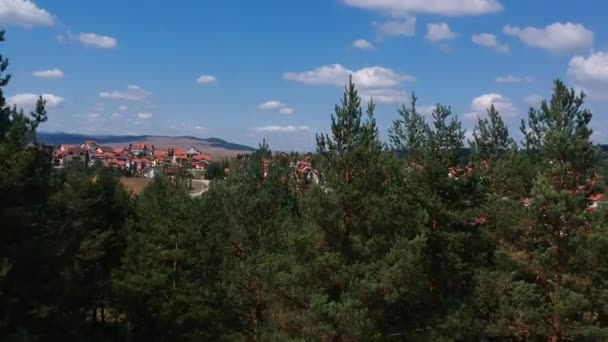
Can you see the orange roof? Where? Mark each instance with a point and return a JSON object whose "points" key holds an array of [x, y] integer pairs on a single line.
{"points": [[160, 153], [596, 197], [139, 145], [179, 151], [201, 157], [118, 149]]}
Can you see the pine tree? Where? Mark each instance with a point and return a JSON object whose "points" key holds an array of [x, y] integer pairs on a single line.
{"points": [[29, 252], [491, 139], [548, 294], [341, 275], [168, 283], [409, 133]]}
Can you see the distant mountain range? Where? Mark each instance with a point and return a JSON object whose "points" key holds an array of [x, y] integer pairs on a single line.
{"points": [[213, 146]]}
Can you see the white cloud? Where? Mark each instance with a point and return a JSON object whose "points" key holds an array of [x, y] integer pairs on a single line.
{"points": [[362, 44], [24, 13], [396, 28], [270, 105], [133, 93], [556, 37], [336, 74], [122, 108], [28, 100], [199, 128], [384, 85], [489, 40], [93, 115], [286, 111], [51, 73], [116, 115], [438, 32], [206, 79], [482, 103], [274, 105], [533, 100], [440, 7], [144, 115], [591, 73], [97, 41], [514, 79], [590, 69], [280, 129]]}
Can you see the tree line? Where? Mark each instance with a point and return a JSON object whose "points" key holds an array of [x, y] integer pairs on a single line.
{"points": [[406, 241]]}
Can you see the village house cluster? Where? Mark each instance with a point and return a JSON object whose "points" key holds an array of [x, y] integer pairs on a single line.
{"points": [[138, 158]]}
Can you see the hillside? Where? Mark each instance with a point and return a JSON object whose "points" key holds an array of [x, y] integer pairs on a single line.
{"points": [[215, 147]]}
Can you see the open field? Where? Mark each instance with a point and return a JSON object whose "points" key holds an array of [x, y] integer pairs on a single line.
{"points": [[134, 184]]}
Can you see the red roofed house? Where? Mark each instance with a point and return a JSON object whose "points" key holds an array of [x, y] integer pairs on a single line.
{"points": [[596, 201], [141, 148], [179, 155], [159, 156], [69, 153], [201, 157], [138, 164], [193, 151], [306, 170], [89, 145]]}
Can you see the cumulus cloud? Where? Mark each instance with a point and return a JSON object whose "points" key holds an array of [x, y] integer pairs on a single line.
{"points": [[133, 93], [24, 13], [556, 37], [481, 104], [513, 79], [27, 101], [438, 32], [93, 115], [116, 115], [591, 74], [362, 44], [396, 28], [280, 129], [144, 115], [97, 40], [51, 73], [122, 108], [383, 84], [490, 41], [439, 7], [593, 68], [206, 79]]}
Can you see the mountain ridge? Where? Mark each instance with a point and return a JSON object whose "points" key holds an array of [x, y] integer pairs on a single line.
{"points": [[214, 145]]}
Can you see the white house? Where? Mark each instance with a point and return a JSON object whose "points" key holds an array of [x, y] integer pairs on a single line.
{"points": [[193, 151]]}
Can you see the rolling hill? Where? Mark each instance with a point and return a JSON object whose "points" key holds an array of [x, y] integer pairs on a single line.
{"points": [[215, 147]]}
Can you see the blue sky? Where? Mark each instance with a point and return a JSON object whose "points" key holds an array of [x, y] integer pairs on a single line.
{"points": [[245, 70]]}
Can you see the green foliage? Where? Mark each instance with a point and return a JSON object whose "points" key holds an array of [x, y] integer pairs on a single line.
{"points": [[491, 139], [167, 284], [502, 247], [216, 170]]}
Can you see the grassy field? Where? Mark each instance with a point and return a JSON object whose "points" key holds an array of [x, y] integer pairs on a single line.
{"points": [[134, 184]]}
